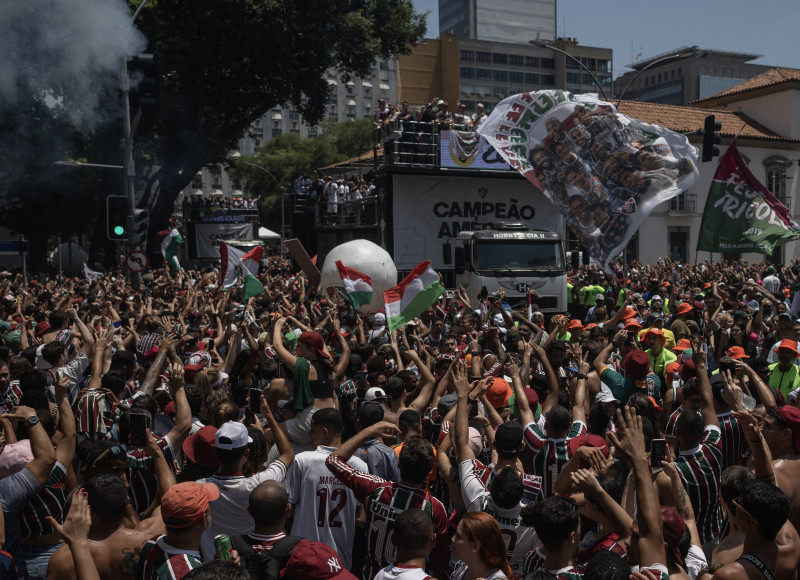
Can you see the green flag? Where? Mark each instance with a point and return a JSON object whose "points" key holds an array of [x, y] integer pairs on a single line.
{"points": [[741, 215], [252, 287]]}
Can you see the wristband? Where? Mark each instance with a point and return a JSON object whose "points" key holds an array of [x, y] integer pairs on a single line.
{"points": [[615, 344], [475, 352], [581, 376]]}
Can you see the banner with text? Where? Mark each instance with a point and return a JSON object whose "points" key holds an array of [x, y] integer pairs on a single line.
{"points": [[209, 237], [468, 150], [604, 171], [741, 215]]}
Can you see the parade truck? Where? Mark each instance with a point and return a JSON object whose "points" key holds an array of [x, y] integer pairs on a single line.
{"points": [[513, 259]]}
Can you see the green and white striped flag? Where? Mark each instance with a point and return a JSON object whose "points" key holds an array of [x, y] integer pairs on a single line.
{"points": [[411, 297], [171, 242]]}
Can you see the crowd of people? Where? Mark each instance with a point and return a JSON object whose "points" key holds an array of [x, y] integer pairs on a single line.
{"points": [[175, 430]]}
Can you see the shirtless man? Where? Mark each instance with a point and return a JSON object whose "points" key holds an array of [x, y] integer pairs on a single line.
{"points": [[781, 431], [115, 548]]}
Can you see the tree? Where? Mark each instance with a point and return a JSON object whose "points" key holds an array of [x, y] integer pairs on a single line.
{"points": [[227, 62]]}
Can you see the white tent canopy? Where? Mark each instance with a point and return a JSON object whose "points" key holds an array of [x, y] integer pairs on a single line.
{"points": [[267, 234]]}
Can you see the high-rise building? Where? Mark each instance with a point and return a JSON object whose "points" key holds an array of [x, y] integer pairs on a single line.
{"points": [[685, 74], [513, 21]]}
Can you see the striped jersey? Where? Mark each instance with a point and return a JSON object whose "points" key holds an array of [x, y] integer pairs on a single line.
{"points": [[550, 454], [142, 476], [147, 341], [700, 470], [536, 558], [11, 396], [733, 440], [383, 500], [669, 426], [160, 561], [324, 509], [49, 502], [531, 483], [94, 414], [519, 538]]}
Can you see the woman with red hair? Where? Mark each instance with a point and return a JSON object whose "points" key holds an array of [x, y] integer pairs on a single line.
{"points": [[480, 549]]}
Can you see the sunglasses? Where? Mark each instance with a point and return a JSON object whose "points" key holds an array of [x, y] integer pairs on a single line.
{"points": [[115, 451], [739, 507]]}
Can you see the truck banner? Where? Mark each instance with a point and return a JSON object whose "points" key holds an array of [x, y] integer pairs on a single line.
{"points": [[468, 150], [429, 211], [209, 237], [604, 171]]}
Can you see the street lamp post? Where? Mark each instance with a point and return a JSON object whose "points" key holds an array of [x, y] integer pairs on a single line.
{"points": [[545, 44]]}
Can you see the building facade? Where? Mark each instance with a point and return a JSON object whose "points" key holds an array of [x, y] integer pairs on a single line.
{"points": [[482, 71], [513, 21], [686, 74]]}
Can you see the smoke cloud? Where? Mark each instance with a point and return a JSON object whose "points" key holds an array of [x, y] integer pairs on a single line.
{"points": [[67, 54]]}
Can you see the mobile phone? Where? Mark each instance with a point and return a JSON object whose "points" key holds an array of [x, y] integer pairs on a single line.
{"points": [[255, 399], [139, 422], [658, 452]]}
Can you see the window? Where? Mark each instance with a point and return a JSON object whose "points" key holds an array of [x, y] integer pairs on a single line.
{"points": [[548, 63], [588, 62], [672, 74], [467, 55], [531, 79], [331, 101], [500, 58], [483, 90], [702, 70], [603, 66], [384, 65], [483, 74], [532, 61], [312, 134], [738, 74], [729, 73], [483, 56], [515, 60], [467, 73], [516, 77], [294, 116], [500, 76], [467, 89], [548, 80], [276, 133], [659, 77], [776, 182], [573, 78], [680, 72], [571, 63]]}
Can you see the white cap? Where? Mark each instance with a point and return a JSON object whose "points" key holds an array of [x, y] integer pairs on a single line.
{"points": [[375, 393], [599, 297], [232, 435], [605, 396], [656, 297]]}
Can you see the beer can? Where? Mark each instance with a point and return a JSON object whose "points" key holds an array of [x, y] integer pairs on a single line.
{"points": [[223, 547]]}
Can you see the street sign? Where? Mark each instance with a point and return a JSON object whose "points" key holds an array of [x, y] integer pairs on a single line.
{"points": [[136, 261]]}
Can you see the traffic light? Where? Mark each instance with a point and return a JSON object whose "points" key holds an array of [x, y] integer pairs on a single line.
{"points": [[117, 217], [711, 138], [147, 83], [139, 227]]}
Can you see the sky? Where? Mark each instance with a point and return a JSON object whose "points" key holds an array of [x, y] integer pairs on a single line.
{"points": [[768, 27]]}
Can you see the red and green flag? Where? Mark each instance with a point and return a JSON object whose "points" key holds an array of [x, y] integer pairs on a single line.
{"points": [[741, 214], [357, 285]]}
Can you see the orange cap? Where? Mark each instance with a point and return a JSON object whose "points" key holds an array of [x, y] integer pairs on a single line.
{"points": [[656, 331], [790, 344], [186, 503], [684, 307], [632, 323], [682, 345], [499, 393], [574, 323], [736, 352]]}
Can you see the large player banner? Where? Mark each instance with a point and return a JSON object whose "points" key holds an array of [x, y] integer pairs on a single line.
{"points": [[604, 171], [742, 215]]}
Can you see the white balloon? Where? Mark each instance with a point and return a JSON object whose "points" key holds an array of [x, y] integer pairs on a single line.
{"points": [[366, 257]]}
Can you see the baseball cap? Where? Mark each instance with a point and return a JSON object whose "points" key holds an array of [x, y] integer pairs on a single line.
{"points": [[682, 345], [533, 403], [314, 340], [636, 364], [656, 332], [499, 393], [41, 328], [315, 561], [475, 441], [232, 435], [374, 394], [199, 448], [508, 437], [673, 531], [590, 440], [791, 416], [14, 457], [186, 503], [600, 297], [736, 352], [604, 395], [788, 343], [656, 297], [785, 315]]}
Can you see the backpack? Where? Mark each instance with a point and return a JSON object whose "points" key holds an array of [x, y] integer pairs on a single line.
{"points": [[264, 565]]}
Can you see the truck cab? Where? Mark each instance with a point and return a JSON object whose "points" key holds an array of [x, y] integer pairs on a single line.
{"points": [[516, 259]]}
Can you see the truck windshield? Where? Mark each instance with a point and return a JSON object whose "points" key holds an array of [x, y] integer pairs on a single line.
{"points": [[517, 255]]}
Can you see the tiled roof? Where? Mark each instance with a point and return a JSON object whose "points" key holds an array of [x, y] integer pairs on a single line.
{"points": [[773, 77], [685, 119]]}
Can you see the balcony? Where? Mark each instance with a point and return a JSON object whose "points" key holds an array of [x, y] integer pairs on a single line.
{"points": [[683, 204]]}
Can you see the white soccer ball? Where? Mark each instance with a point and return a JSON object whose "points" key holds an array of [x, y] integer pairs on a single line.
{"points": [[366, 257]]}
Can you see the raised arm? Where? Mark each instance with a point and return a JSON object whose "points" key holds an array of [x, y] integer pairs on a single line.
{"points": [[281, 439], [699, 358], [44, 456], [277, 343], [426, 383], [463, 450]]}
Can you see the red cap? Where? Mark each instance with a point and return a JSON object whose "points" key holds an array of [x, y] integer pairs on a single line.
{"points": [[590, 440], [790, 344], [315, 561], [186, 503], [636, 364], [499, 393], [791, 416], [199, 448], [314, 340], [41, 328], [688, 370], [737, 352], [673, 531]]}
